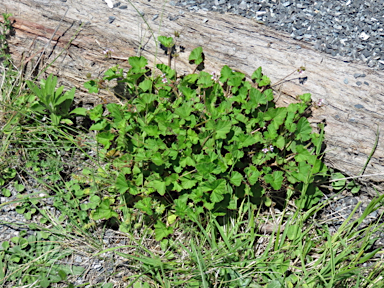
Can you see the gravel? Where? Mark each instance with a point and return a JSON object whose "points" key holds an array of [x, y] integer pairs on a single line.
{"points": [[353, 28]]}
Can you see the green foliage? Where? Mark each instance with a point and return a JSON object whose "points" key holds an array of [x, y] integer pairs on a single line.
{"points": [[196, 56], [5, 29], [198, 143], [166, 41], [7, 173], [34, 260], [180, 150], [10, 80], [340, 183], [52, 102]]}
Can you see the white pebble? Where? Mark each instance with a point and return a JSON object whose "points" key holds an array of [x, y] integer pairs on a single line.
{"points": [[109, 3], [364, 36]]}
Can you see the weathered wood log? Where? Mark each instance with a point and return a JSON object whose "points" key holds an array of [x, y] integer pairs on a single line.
{"points": [[352, 113]]}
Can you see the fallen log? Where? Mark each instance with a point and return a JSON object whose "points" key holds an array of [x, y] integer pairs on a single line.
{"points": [[77, 33]]}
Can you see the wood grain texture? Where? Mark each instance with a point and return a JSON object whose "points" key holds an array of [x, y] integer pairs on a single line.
{"points": [[226, 40]]}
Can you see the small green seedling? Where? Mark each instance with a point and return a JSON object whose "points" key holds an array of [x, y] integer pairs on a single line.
{"points": [[53, 103]]}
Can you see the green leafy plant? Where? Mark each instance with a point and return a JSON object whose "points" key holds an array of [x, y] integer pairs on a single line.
{"points": [[5, 29], [203, 142], [7, 174], [10, 76], [9, 85], [53, 103], [169, 45], [340, 183], [34, 260]]}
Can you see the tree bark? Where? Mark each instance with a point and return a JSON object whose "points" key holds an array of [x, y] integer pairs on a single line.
{"points": [[77, 33]]}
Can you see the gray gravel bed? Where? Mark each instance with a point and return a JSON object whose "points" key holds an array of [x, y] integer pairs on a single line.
{"points": [[351, 28]]}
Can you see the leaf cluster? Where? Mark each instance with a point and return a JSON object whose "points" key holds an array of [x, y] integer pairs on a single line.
{"points": [[52, 102], [5, 30], [203, 141]]}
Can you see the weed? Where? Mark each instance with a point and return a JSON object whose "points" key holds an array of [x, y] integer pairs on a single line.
{"points": [[204, 142], [5, 29], [53, 102]]}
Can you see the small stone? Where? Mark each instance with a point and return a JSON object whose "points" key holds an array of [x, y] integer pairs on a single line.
{"points": [[298, 47], [111, 19], [371, 63], [205, 20], [259, 13], [78, 259], [123, 7], [359, 106], [358, 83], [243, 5], [97, 267], [346, 81], [357, 75], [155, 17], [173, 18], [300, 32], [116, 4], [363, 36], [350, 201], [366, 83], [373, 214], [195, 8], [109, 3], [219, 2], [366, 53]]}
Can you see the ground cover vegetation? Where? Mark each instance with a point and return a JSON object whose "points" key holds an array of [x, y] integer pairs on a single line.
{"points": [[189, 168]]}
